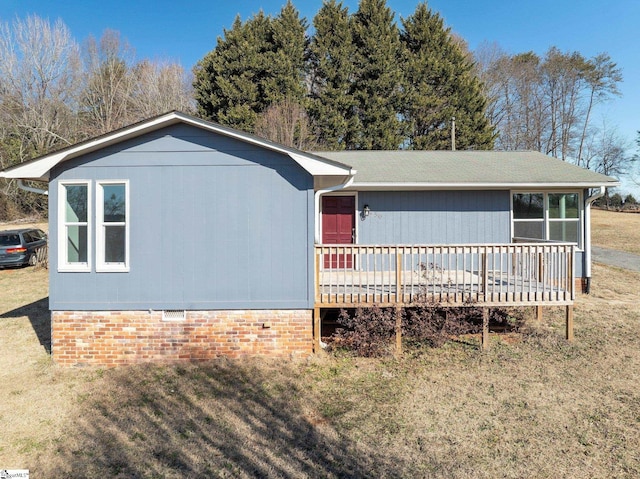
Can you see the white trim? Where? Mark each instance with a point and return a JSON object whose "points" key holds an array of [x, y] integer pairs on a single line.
{"points": [[546, 220], [101, 265], [63, 264], [317, 232]]}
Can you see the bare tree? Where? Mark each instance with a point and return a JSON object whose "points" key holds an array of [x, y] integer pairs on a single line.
{"points": [[38, 72], [286, 122], [607, 152], [546, 104], [159, 88], [108, 83]]}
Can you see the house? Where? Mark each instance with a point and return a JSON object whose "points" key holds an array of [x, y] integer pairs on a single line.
{"points": [[176, 238]]}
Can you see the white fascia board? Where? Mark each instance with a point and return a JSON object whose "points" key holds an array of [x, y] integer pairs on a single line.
{"points": [[317, 167], [474, 186], [36, 170]]}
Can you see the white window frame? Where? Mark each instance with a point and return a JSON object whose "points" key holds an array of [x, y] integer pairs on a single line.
{"points": [[101, 264], [546, 220], [63, 264]]}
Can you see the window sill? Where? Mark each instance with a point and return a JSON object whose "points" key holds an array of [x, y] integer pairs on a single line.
{"points": [[74, 269], [112, 269]]}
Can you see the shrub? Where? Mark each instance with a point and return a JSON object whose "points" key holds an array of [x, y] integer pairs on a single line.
{"points": [[368, 332], [630, 200], [615, 201], [435, 325]]}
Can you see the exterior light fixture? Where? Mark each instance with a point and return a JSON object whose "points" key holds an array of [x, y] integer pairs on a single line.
{"points": [[366, 210]]}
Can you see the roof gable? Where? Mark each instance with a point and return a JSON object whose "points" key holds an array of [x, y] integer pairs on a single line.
{"points": [[40, 168]]}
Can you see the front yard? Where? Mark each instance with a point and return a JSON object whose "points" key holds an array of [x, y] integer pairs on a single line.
{"points": [[533, 407]]}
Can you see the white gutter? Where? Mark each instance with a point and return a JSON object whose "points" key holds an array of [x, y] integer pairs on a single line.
{"points": [[587, 235], [317, 205], [24, 187]]}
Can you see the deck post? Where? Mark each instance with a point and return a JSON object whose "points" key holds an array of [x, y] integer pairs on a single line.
{"points": [[317, 323], [539, 313], [398, 331], [569, 322], [485, 328]]}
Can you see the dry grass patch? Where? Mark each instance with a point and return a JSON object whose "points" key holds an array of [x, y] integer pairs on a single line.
{"points": [[616, 230]]}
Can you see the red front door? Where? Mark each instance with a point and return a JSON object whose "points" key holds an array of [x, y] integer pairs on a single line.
{"points": [[338, 227]]}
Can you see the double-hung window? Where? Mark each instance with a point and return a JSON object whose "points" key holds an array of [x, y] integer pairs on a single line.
{"points": [[547, 216], [74, 253], [112, 228]]}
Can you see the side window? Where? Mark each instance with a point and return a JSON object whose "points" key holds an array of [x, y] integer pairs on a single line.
{"points": [[547, 216], [564, 217], [74, 226], [112, 229], [528, 215], [27, 237]]}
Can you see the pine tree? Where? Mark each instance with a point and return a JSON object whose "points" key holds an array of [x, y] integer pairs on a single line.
{"points": [[377, 81], [256, 64], [286, 59], [331, 105], [439, 85]]}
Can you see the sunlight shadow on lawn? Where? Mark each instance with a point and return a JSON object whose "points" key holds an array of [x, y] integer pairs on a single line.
{"points": [[221, 419], [38, 314]]}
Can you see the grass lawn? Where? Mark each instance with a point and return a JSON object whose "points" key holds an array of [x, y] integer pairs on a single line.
{"points": [[616, 230], [534, 407]]}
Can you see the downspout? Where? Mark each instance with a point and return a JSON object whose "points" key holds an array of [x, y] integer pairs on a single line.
{"points": [[24, 187], [587, 236], [317, 204]]}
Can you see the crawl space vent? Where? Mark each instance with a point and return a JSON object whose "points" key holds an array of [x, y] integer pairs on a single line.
{"points": [[174, 315]]}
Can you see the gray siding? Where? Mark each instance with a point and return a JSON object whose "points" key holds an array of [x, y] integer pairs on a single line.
{"points": [[434, 217], [215, 224]]}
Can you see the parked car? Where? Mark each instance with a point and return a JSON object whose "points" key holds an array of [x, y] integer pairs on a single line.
{"points": [[20, 246]]}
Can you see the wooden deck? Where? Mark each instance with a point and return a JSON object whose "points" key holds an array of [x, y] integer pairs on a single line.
{"points": [[488, 275]]}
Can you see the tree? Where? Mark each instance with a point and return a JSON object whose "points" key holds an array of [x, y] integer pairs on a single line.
{"points": [[51, 97], [159, 88], [287, 123], [331, 52], [38, 73], [256, 63], [105, 98], [377, 81], [546, 103], [440, 84]]}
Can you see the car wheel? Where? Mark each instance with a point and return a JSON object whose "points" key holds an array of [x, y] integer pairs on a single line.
{"points": [[33, 259]]}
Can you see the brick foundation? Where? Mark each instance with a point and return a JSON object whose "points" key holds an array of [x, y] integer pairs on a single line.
{"points": [[110, 338]]}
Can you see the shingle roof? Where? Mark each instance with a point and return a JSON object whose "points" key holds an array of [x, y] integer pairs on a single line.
{"points": [[447, 168]]}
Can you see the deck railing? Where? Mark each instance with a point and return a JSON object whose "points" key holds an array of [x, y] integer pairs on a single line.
{"points": [[491, 274]]}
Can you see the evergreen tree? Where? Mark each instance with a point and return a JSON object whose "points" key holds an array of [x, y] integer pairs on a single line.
{"points": [[256, 64], [227, 79], [331, 105], [377, 83], [439, 85], [287, 57]]}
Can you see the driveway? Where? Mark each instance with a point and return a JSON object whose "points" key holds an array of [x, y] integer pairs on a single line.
{"points": [[617, 258]]}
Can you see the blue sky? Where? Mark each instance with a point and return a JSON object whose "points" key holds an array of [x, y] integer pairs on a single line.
{"points": [[186, 30]]}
